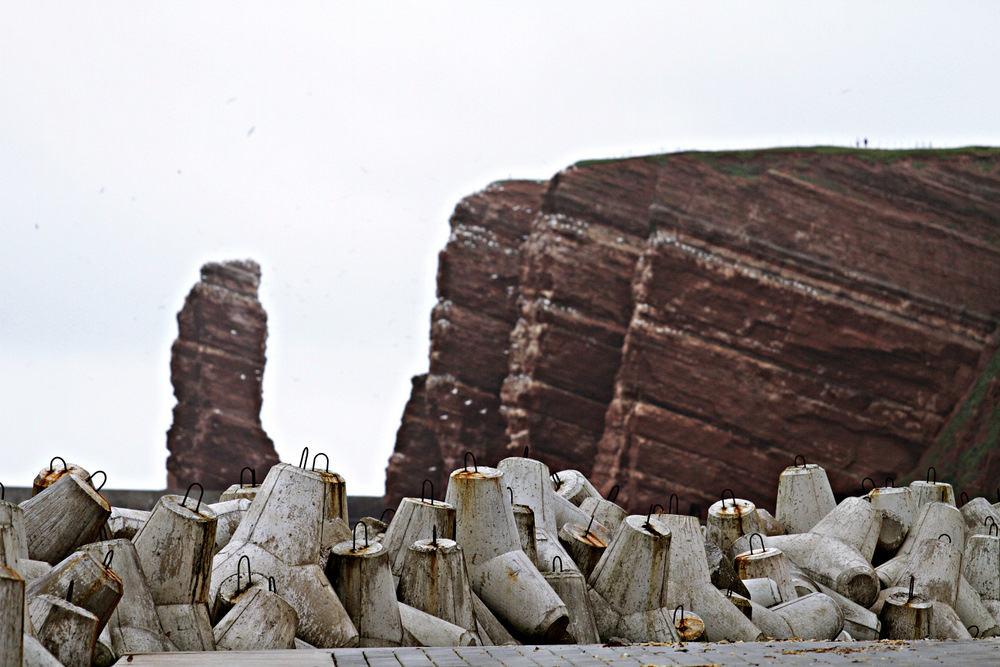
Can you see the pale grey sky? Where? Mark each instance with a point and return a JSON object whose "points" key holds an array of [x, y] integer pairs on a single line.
{"points": [[330, 142]]}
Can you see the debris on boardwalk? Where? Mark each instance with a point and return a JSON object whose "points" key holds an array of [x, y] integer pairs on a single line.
{"points": [[513, 554]]}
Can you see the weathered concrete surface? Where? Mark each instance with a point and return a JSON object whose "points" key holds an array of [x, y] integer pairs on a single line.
{"points": [[217, 367], [915, 654], [674, 322]]}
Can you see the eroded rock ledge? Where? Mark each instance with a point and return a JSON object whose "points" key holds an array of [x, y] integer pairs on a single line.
{"points": [[672, 323]]}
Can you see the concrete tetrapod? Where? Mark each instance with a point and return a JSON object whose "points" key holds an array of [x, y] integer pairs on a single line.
{"points": [[979, 515], [175, 548], [286, 533], [813, 616], [898, 510], [36, 655], [729, 520], [721, 572], [46, 477], [433, 579], [231, 588], [584, 544], [981, 565], [574, 486], [609, 514], [259, 621], [689, 582], [832, 563], [93, 585], [936, 566], [134, 626], [973, 611], [532, 486], [13, 515], [861, 623], [904, 616], [228, 515], [768, 563], [66, 631], [500, 573], [800, 580], [804, 497], [854, 521], [629, 585], [123, 523], [187, 625], [764, 591], [933, 520], [524, 519], [416, 519], [323, 621], [11, 617], [361, 576], [66, 514], [423, 629], [932, 491], [571, 587]]}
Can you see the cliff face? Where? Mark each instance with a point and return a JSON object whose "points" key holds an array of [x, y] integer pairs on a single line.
{"points": [[216, 367], [691, 322]]}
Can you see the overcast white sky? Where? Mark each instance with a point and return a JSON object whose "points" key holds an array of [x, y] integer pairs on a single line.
{"points": [[330, 141]]}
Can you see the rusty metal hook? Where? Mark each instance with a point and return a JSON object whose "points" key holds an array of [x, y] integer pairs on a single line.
{"points": [[200, 496], [731, 495], [590, 523], [304, 458], [670, 504], [759, 537], [423, 486], [649, 514], [3, 491], [928, 478], [69, 591], [253, 476], [796, 461], [524, 454], [381, 517], [465, 462], [890, 483], [511, 490], [992, 524], [867, 479], [945, 535], [613, 493], [674, 616], [319, 454], [271, 586], [909, 596], [555, 480], [91, 478], [354, 543], [239, 563], [963, 498], [434, 535], [975, 636], [108, 559], [65, 467]]}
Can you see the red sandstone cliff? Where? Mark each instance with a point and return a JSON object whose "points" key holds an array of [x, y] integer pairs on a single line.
{"points": [[216, 367], [692, 322]]}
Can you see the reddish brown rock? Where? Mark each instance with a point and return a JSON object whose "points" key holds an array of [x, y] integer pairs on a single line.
{"points": [[692, 322], [216, 367]]}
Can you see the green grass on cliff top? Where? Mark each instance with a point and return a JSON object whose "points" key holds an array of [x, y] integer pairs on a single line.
{"points": [[870, 154]]}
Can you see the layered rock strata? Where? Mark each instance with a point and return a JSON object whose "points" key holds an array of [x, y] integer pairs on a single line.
{"points": [[216, 368], [681, 321]]}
